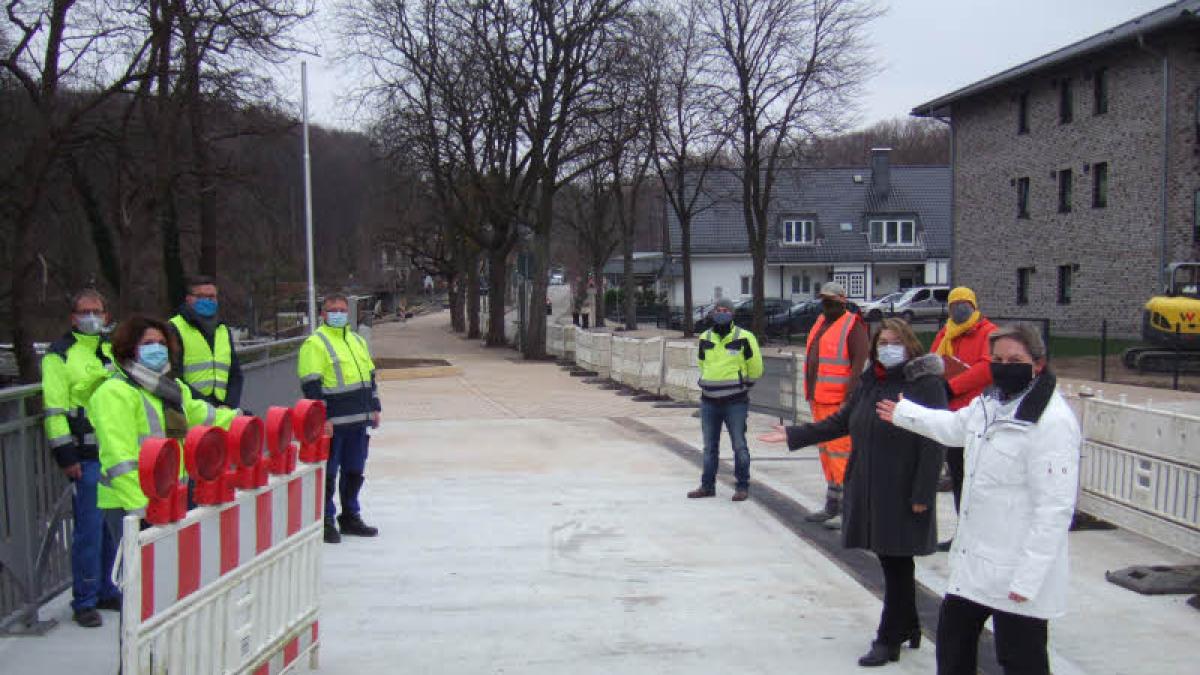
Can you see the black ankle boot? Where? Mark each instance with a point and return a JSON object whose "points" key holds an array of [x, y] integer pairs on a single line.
{"points": [[880, 655]]}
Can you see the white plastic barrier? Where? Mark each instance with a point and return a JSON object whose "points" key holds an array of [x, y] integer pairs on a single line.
{"points": [[593, 351], [556, 338], [624, 360], [682, 372]]}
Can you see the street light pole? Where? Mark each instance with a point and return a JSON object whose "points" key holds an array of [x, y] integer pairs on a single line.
{"points": [[308, 215]]}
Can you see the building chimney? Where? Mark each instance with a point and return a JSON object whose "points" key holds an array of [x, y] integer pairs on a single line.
{"points": [[881, 172]]}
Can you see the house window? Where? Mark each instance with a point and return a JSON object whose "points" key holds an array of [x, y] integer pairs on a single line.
{"points": [[798, 231], [806, 285], [745, 285], [893, 232], [1023, 197], [1066, 106], [1099, 185], [1024, 274], [1064, 191], [795, 284], [1100, 91], [1023, 113], [858, 285], [1064, 284]]}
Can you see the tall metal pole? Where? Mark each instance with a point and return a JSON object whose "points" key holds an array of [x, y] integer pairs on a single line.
{"points": [[308, 216]]}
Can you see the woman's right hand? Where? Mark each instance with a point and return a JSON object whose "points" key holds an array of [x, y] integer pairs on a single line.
{"points": [[886, 408], [777, 435]]}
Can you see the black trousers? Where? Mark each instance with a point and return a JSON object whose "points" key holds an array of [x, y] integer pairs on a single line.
{"points": [[954, 460], [1020, 640], [898, 621]]}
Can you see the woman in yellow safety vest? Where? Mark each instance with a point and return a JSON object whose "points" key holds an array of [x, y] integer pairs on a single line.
{"points": [[141, 400]]}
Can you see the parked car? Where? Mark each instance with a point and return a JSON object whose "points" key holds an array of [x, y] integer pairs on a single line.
{"points": [[743, 312], [799, 318], [922, 303], [882, 307]]}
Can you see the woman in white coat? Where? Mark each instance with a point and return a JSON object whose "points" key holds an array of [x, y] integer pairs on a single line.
{"points": [[1009, 557]]}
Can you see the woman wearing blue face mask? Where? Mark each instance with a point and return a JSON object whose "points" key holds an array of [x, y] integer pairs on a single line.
{"points": [[891, 480], [142, 399]]}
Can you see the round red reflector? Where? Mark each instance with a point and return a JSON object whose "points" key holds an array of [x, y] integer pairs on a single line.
{"points": [[279, 429], [158, 467], [245, 440], [308, 418], [204, 451]]}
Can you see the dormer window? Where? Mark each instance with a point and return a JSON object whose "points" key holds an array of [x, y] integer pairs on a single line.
{"points": [[799, 232], [893, 232]]}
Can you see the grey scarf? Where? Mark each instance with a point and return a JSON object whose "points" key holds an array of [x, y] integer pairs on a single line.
{"points": [[160, 385]]}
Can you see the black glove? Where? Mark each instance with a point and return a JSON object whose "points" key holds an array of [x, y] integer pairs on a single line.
{"points": [[705, 344]]}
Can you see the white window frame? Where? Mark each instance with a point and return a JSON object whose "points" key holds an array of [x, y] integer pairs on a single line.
{"points": [[799, 232], [891, 232]]}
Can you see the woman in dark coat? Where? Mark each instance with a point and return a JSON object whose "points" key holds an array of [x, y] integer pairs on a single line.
{"points": [[891, 480]]}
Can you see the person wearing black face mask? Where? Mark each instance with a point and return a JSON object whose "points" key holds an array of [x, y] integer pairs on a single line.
{"points": [[1009, 557]]}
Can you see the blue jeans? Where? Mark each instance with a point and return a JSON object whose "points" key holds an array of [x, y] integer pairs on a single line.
{"points": [[733, 415], [93, 548], [347, 452]]}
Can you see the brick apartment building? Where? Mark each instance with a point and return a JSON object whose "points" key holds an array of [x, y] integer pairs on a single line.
{"points": [[1077, 175]]}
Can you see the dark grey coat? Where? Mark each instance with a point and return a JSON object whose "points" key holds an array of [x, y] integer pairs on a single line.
{"points": [[890, 468]]}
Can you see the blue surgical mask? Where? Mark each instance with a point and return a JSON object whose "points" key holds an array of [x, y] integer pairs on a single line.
{"points": [[891, 356], [337, 319], [154, 356], [722, 318], [205, 307], [90, 324]]}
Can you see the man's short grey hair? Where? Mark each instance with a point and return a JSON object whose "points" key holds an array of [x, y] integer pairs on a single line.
{"points": [[334, 297], [1027, 334]]}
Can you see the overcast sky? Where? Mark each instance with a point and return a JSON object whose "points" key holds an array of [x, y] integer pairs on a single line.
{"points": [[924, 48]]}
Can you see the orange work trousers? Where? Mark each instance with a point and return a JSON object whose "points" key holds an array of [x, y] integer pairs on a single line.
{"points": [[835, 454]]}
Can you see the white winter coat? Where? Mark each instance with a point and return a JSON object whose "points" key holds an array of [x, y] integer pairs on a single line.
{"points": [[1019, 486]]}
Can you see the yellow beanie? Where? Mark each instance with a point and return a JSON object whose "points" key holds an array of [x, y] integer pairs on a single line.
{"points": [[962, 293]]}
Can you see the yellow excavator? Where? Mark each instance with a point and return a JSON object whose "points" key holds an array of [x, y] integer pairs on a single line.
{"points": [[1171, 324]]}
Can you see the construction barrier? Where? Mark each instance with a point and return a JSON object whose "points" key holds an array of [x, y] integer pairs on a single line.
{"points": [[233, 586]]}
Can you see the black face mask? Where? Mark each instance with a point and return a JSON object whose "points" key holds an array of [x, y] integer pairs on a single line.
{"points": [[1011, 378], [832, 308]]}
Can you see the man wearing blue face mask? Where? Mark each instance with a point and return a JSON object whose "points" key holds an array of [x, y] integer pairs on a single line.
{"points": [[206, 360], [335, 366], [730, 363]]}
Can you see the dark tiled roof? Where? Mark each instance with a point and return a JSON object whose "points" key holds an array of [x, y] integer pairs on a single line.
{"points": [[1179, 12], [833, 197]]}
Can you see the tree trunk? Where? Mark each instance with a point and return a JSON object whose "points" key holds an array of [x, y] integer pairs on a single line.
{"points": [[685, 245], [628, 285], [600, 309], [535, 326], [497, 289], [457, 322], [472, 291]]}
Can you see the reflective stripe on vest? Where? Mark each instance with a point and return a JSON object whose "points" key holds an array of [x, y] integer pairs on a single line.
{"points": [[341, 387], [833, 358], [156, 430], [717, 367], [205, 368]]}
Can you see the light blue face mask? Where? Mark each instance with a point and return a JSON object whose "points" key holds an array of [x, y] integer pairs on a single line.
{"points": [[90, 324], [154, 356], [890, 356], [205, 307], [337, 319]]}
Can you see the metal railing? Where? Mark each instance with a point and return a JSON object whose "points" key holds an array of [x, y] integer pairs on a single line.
{"points": [[35, 496]]}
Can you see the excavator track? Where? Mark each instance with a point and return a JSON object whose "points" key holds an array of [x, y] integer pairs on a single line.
{"points": [[1160, 360]]}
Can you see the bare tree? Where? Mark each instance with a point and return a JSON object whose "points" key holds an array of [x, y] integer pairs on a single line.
{"points": [[790, 70], [687, 132]]}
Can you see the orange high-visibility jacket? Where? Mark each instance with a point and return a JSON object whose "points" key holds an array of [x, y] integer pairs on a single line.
{"points": [[833, 359]]}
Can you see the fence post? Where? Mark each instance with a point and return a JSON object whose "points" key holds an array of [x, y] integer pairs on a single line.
{"points": [[1103, 350], [1175, 374]]}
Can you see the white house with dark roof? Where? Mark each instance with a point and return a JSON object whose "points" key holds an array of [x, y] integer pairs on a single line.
{"points": [[876, 229]]}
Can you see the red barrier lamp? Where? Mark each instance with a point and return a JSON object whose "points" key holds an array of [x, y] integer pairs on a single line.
{"points": [[206, 454], [281, 449], [158, 474], [309, 419], [248, 465]]}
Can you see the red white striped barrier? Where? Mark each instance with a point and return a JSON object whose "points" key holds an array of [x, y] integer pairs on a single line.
{"points": [[232, 587]]}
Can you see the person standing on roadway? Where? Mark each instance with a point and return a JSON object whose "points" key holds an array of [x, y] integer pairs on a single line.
{"points": [[891, 479], [206, 359], [963, 344], [1009, 559], [835, 354], [730, 362], [335, 366], [74, 366]]}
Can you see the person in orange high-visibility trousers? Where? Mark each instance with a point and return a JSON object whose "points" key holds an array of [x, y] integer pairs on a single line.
{"points": [[836, 352]]}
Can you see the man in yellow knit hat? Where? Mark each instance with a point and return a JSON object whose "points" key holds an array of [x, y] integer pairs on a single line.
{"points": [[963, 344]]}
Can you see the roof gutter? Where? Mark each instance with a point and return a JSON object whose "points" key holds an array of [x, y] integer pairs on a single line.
{"points": [[1166, 154]]}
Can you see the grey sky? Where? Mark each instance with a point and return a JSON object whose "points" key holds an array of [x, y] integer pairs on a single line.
{"points": [[924, 48]]}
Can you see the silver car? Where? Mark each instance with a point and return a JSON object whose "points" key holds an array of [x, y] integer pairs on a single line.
{"points": [[922, 303]]}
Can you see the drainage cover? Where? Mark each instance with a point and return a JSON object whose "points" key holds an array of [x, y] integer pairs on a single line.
{"points": [[1158, 579]]}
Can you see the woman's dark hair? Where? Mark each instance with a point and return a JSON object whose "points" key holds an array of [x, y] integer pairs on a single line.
{"points": [[129, 333], [912, 345], [1024, 334]]}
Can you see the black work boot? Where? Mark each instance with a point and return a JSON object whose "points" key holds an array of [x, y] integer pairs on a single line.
{"points": [[353, 525], [332, 536], [88, 618], [832, 508]]}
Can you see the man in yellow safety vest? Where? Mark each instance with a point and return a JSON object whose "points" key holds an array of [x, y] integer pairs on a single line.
{"points": [[206, 360]]}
